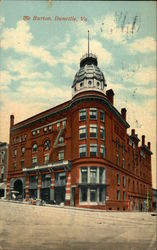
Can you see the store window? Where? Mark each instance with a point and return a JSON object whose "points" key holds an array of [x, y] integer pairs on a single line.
{"points": [[93, 175], [84, 175], [83, 194], [93, 194]]}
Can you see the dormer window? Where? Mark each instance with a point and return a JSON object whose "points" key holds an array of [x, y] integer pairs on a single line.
{"points": [[81, 84], [89, 83]]}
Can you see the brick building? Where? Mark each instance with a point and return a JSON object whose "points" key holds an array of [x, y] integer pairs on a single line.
{"points": [[3, 168], [79, 153]]}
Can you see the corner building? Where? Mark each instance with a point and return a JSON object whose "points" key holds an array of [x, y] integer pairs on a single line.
{"points": [[79, 153]]}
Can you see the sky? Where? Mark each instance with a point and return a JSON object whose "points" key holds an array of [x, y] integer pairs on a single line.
{"points": [[39, 58]]}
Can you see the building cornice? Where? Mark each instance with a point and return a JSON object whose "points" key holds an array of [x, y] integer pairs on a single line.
{"points": [[67, 106]]}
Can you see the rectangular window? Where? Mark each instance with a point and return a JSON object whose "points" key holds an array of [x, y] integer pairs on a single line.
{"points": [[102, 133], [93, 194], [45, 129], [102, 151], [61, 155], [22, 150], [93, 113], [83, 194], [101, 194], [123, 163], [46, 158], [102, 115], [82, 132], [60, 179], [93, 150], [14, 165], [117, 159], [83, 151], [84, 175], [93, 175], [124, 181], [33, 133], [83, 114], [34, 161], [124, 196], [50, 128], [58, 125], [93, 131], [101, 175], [15, 152], [22, 164], [123, 149], [38, 131], [118, 179], [118, 195]]}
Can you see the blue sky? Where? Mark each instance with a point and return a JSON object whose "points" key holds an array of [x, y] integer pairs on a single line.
{"points": [[39, 58]]}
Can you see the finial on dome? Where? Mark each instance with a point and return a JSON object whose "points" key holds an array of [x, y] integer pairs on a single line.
{"points": [[88, 43]]}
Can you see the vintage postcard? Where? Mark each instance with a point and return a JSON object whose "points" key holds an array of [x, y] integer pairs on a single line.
{"points": [[77, 124]]}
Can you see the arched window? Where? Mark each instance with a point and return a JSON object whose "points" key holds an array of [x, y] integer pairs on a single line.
{"points": [[81, 84], [47, 145], [34, 147], [89, 83]]}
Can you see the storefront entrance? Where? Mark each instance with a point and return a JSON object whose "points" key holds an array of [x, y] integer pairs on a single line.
{"points": [[60, 194], [45, 194], [18, 187]]}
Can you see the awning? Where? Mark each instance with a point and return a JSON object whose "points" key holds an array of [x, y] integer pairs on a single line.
{"points": [[2, 185]]}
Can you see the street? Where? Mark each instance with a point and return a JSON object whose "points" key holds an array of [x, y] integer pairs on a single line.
{"points": [[33, 227]]}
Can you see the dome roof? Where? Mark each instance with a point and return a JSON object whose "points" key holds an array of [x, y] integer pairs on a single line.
{"points": [[88, 70]]}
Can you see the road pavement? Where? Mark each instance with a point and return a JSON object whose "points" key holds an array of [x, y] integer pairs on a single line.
{"points": [[33, 227]]}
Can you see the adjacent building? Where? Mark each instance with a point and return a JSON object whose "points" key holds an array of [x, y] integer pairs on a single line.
{"points": [[79, 153], [3, 168]]}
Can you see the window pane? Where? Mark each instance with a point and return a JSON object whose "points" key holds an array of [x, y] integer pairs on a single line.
{"points": [[82, 115], [93, 150], [83, 151], [93, 175], [82, 132], [93, 113], [84, 175], [102, 115], [93, 131], [83, 196], [93, 194]]}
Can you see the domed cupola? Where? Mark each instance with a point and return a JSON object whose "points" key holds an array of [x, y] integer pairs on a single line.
{"points": [[89, 77]]}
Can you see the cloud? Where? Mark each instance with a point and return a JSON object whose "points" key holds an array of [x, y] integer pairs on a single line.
{"points": [[5, 80], [20, 38], [2, 20], [72, 56], [143, 45], [63, 44]]}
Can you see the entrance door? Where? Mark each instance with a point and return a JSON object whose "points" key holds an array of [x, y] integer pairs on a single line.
{"points": [[45, 194], [60, 195], [18, 186]]}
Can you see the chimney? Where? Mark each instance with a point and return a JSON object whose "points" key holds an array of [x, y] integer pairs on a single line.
{"points": [[11, 121], [133, 132], [123, 113], [143, 140], [149, 145], [110, 94]]}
